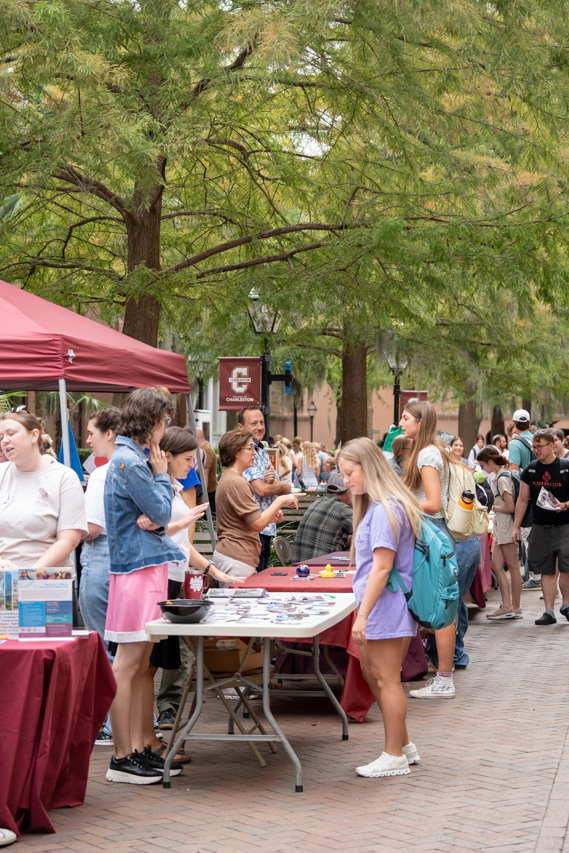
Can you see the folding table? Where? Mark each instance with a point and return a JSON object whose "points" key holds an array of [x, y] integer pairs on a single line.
{"points": [[310, 627]]}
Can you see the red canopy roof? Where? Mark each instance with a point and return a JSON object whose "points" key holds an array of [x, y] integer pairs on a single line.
{"points": [[41, 343]]}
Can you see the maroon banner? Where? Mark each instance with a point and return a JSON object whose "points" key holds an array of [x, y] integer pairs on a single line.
{"points": [[410, 395], [239, 383]]}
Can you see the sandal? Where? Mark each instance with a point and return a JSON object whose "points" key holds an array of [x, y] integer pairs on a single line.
{"points": [[181, 756]]}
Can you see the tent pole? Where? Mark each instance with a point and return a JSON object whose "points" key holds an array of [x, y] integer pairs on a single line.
{"points": [[64, 423], [201, 473]]}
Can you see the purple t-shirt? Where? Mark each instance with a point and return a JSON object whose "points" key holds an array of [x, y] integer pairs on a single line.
{"points": [[390, 618]]}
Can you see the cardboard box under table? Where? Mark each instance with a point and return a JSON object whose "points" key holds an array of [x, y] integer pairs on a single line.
{"points": [[309, 626]]}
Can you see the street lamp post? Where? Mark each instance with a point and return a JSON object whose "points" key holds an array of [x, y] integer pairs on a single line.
{"points": [[312, 411], [397, 361], [265, 322]]}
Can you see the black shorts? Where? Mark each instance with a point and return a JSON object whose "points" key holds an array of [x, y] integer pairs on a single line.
{"points": [[548, 548]]}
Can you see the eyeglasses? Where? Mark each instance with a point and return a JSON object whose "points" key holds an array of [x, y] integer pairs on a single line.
{"points": [[540, 446], [15, 409], [252, 447]]}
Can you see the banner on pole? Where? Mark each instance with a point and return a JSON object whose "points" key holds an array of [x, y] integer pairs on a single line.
{"points": [[239, 383]]}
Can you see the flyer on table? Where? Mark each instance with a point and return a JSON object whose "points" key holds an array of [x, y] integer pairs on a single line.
{"points": [[45, 602]]}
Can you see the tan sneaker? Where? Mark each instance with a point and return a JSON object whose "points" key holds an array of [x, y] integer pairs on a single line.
{"points": [[502, 613], [518, 613]]}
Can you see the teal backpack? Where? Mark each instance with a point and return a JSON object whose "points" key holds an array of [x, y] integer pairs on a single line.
{"points": [[433, 601]]}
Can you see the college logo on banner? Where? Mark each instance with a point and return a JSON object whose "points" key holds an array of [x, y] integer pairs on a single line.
{"points": [[239, 383]]}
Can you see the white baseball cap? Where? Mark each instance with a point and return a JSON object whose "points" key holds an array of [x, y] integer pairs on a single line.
{"points": [[521, 415]]}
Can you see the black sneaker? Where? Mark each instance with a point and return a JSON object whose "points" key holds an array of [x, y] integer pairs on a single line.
{"points": [[546, 619], [103, 739], [134, 769], [564, 610], [166, 719], [157, 762]]}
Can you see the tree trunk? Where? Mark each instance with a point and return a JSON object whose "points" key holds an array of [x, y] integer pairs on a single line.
{"points": [[142, 312], [338, 436], [354, 391], [467, 420], [498, 427]]}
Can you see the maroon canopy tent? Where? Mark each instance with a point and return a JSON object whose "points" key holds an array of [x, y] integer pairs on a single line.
{"points": [[44, 347], [42, 343]]}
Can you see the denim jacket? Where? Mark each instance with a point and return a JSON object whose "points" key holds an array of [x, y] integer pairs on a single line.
{"points": [[130, 490]]}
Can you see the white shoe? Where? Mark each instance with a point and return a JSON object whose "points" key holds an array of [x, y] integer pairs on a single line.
{"points": [[556, 595], [410, 752], [7, 837], [440, 687], [385, 765]]}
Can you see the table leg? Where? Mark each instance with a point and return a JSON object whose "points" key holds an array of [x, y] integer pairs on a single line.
{"points": [[198, 699], [326, 686], [269, 714]]}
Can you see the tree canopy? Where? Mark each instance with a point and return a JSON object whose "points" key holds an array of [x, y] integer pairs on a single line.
{"points": [[365, 166]]}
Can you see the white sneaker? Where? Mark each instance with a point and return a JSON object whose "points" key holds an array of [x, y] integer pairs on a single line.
{"points": [[7, 837], [410, 752], [385, 765], [556, 595], [440, 687]]}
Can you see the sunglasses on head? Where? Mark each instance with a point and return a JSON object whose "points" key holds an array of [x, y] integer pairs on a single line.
{"points": [[15, 409]]}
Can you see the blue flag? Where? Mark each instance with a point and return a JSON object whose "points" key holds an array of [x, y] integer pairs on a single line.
{"points": [[75, 461]]}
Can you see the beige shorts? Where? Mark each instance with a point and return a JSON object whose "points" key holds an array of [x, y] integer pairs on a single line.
{"points": [[234, 568]]}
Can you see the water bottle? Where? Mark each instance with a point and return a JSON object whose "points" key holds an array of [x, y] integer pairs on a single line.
{"points": [[466, 500]]}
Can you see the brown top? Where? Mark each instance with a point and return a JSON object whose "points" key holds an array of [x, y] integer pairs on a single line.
{"points": [[211, 463], [236, 507]]}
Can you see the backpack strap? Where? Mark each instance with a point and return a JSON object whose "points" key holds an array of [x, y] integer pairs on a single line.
{"points": [[394, 576], [525, 443]]}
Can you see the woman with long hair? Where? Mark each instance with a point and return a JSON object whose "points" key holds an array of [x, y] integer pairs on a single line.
{"points": [[284, 463], [457, 449], [180, 447], [386, 521], [401, 448], [504, 549], [427, 474], [308, 465]]}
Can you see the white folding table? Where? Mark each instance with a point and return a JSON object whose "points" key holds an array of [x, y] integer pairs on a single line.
{"points": [[309, 627]]}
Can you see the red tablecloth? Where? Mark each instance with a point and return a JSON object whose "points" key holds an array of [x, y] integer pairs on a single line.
{"points": [[55, 696], [357, 698]]}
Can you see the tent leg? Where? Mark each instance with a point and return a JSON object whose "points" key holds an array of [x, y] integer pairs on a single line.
{"points": [[201, 473], [64, 423]]}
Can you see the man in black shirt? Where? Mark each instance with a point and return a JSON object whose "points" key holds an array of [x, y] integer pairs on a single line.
{"points": [[545, 482]]}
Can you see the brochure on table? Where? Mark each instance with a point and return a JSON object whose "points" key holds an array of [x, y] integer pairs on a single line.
{"points": [[45, 603], [8, 603]]}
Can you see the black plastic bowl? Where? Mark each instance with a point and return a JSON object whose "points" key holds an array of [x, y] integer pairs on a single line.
{"points": [[186, 611]]}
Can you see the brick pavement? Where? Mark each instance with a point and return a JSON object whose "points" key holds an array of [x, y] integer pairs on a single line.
{"points": [[494, 775]]}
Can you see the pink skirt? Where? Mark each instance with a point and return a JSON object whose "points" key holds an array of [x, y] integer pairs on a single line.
{"points": [[133, 601]]}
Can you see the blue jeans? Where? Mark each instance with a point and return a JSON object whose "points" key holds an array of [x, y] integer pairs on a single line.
{"points": [[468, 559], [94, 591]]}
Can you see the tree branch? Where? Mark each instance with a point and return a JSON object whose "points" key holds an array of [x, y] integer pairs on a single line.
{"points": [[262, 235], [268, 259], [89, 185]]}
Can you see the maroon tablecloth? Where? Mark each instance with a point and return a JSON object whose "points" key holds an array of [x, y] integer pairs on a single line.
{"points": [[55, 696], [357, 698]]}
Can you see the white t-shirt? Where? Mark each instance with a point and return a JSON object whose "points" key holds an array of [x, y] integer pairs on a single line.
{"points": [[34, 507], [95, 497], [431, 457], [176, 571]]}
